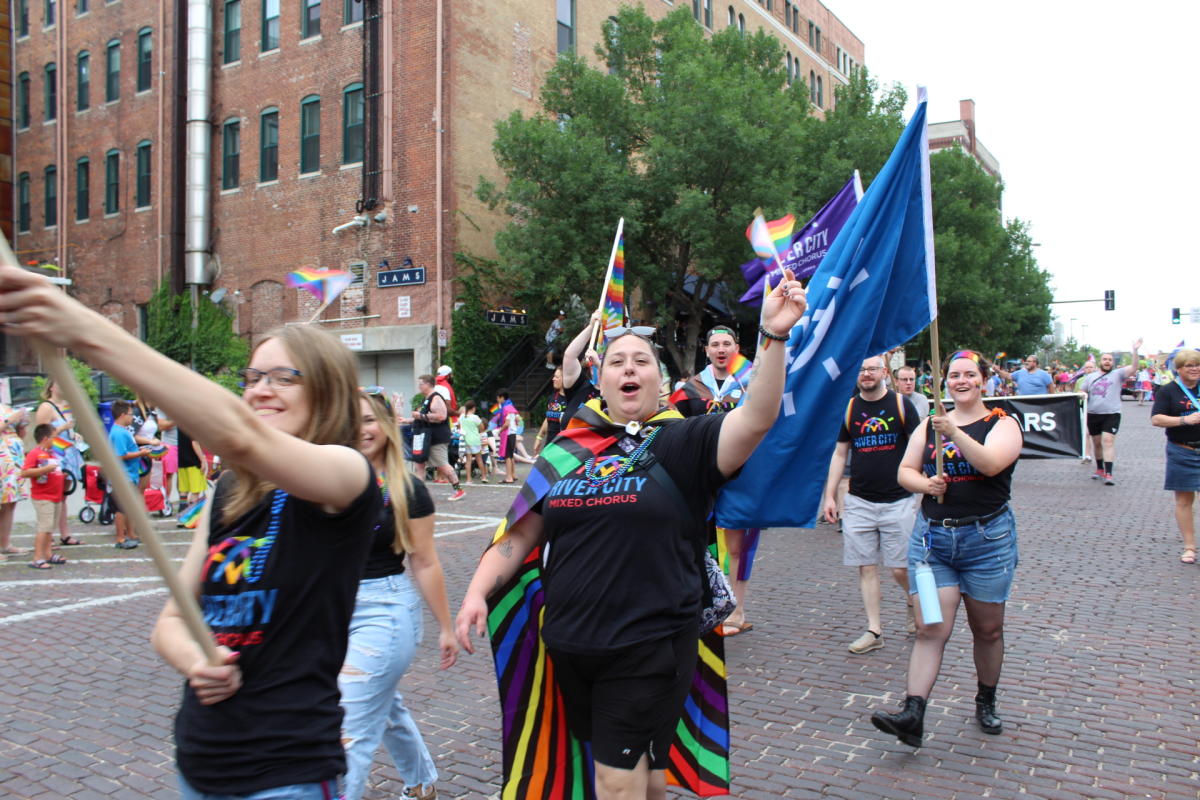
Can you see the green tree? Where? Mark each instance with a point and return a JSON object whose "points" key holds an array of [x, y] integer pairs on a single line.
{"points": [[83, 374], [205, 340], [477, 344]]}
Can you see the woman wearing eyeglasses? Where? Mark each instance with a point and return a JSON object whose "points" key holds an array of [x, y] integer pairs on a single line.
{"points": [[275, 565], [386, 627], [624, 530], [719, 388], [1177, 409], [969, 539]]}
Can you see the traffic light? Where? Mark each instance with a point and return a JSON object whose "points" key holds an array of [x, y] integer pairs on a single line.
{"points": [[1174, 316], [1110, 299]]}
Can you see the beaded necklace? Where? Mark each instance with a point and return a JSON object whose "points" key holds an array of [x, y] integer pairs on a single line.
{"points": [[592, 474], [262, 549], [381, 480]]}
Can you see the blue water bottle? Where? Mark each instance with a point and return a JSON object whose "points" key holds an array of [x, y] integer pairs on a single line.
{"points": [[931, 609]]}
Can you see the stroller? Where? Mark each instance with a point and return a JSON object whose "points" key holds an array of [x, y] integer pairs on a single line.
{"points": [[96, 493]]}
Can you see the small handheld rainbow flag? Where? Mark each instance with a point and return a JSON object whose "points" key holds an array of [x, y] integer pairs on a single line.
{"points": [[190, 516], [60, 445], [612, 315], [769, 239], [323, 284]]}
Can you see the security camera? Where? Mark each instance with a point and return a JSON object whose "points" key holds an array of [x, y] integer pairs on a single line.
{"points": [[381, 216]]}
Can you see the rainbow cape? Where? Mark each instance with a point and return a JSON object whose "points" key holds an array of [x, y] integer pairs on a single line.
{"points": [[770, 239], [323, 284], [542, 760], [698, 387]]}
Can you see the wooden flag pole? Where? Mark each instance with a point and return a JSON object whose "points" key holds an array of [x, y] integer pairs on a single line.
{"points": [[939, 407], [612, 258], [133, 506]]}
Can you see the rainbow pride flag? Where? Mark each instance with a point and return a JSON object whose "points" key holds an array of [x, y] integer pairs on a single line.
{"points": [[60, 445], [770, 239], [612, 316], [190, 516], [323, 284], [541, 759]]}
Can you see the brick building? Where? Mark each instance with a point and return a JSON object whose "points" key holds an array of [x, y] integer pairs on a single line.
{"points": [[347, 134], [961, 133]]}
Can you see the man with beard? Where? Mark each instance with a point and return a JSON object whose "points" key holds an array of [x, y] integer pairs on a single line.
{"points": [[878, 514], [1104, 410]]}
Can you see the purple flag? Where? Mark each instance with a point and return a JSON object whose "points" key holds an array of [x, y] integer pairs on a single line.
{"points": [[809, 243]]}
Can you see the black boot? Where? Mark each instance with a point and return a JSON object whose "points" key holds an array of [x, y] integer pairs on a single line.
{"points": [[985, 710], [908, 726]]}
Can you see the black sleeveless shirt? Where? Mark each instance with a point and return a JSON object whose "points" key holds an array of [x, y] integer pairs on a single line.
{"points": [[968, 491]]}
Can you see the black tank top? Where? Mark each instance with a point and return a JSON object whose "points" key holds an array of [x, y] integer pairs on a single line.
{"points": [[968, 491]]}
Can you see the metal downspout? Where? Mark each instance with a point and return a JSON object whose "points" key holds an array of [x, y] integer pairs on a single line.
{"points": [[438, 174], [198, 212]]}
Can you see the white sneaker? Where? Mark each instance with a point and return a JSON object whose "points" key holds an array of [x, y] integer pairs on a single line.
{"points": [[866, 643]]}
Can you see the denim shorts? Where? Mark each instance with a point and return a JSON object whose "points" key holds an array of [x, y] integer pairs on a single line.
{"points": [[1183, 469], [979, 559], [323, 790]]}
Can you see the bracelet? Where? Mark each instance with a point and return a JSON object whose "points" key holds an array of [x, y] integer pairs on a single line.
{"points": [[772, 336]]}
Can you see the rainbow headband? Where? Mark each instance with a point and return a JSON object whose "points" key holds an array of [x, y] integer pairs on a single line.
{"points": [[970, 355]]}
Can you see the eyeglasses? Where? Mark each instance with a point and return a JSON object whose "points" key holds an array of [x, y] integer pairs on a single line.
{"points": [[636, 330], [906, 380], [279, 377], [380, 392], [871, 370]]}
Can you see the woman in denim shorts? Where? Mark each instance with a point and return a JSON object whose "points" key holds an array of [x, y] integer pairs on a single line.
{"points": [[967, 534]]}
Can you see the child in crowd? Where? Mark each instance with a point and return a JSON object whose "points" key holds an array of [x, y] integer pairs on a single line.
{"points": [[46, 476], [128, 451], [472, 427]]}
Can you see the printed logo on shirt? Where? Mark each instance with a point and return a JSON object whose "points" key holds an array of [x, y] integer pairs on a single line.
{"points": [[954, 466], [875, 433], [579, 492], [248, 611]]}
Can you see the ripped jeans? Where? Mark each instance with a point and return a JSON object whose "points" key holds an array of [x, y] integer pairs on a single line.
{"points": [[384, 633]]}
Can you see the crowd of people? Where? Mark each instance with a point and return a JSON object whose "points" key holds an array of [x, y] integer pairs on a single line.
{"points": [[315, 550]]}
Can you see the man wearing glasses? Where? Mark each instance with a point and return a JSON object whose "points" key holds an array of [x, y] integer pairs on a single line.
{"points": [[906, 385], [878, 513]]}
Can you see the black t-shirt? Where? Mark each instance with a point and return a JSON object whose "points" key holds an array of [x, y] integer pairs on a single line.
{"points": [[698, 399], [877, 435], [438, 432], [622, 564], [555, 407], [382, 560], [577, 394], [968, 491], [289, 616], [1170, 401], [187, 454]]}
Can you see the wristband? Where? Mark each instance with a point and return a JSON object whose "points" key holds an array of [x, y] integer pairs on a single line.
{"points": [[772, 336]]}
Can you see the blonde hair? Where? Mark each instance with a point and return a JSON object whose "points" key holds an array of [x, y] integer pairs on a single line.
{"points": [[396, 474], [1186, 357], [330, 383]]}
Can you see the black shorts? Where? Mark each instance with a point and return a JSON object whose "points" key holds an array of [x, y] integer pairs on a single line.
{"points": [[1103, 423], [629, 702]]}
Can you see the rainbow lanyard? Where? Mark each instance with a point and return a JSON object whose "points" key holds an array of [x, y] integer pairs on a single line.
{"points": [[1190, 396], [381, 480]]}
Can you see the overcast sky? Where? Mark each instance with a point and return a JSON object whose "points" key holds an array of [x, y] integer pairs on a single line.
{"points": [[1088, 108]]}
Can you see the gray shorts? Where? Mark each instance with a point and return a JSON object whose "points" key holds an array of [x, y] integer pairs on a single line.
{"points": [[439, 455], [871, 530]]}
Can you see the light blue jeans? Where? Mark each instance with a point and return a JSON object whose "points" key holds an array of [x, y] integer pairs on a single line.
{"points": [[384, 633], [325, 790]]}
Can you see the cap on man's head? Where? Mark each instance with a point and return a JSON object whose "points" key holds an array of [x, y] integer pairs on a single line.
{"points": [[444, 370], [562, 313]]}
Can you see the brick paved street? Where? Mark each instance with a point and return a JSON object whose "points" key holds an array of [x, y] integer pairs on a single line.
{"points": [[1098, 694]]}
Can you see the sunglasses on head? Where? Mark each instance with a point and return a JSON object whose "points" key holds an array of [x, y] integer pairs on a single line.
{"points": [[377, 391], [636, 330]]}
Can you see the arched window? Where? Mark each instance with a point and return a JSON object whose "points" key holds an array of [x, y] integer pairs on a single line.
{"points": [[51, 196], [51, 92], [112, 181], [23, 100], [83, 197], [112, 70], [268, 145], [310, 134], [812, 86], [788, 67], [741, 23], [145, 59], [820, 93], [142, 194], [231, 150], [732, 17], [23, 212], [352, 124], [83, 81]]}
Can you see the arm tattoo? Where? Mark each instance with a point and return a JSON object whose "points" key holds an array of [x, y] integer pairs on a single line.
{"points": [[506, 548]]}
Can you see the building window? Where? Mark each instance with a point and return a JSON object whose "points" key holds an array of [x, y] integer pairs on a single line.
{"points": [[270, 25], [142, 194], [352, 11], [82, 184], [812, 86], [352, 124], [81, 7], [83, 81], [23, 212], [818, 44], [49, 13], [741, 23], [23, 100], [145, 58], [231, 150], [22, 17], [310, 134], [51, 204], [51, 91], [787, 65], [811, 31], [820, 93], [770, 5], [310, 19], [565, 12], [732, 17], [112, 72], [233, 31], [268, 145], [112, 182], [708, 13], [787, 13]]}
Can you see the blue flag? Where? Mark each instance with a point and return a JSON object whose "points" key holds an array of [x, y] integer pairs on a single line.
{"points": [[874, 290]]}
